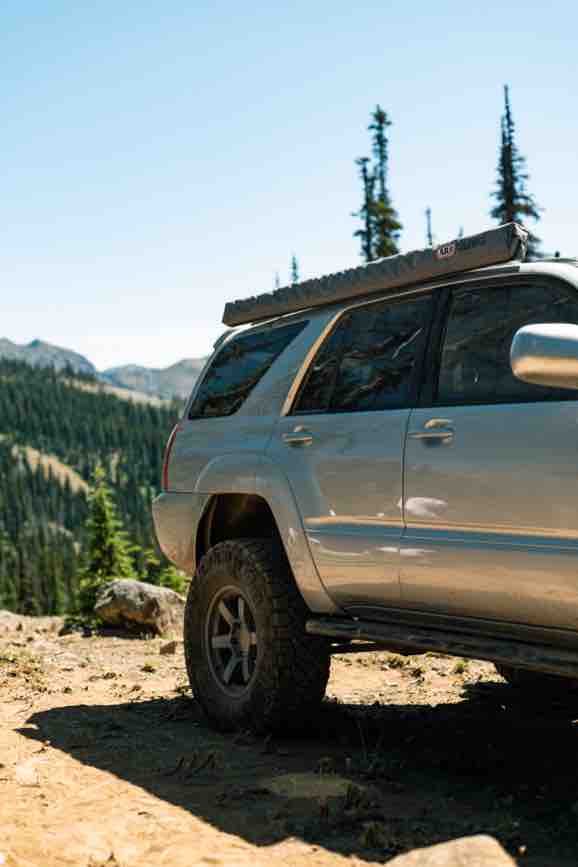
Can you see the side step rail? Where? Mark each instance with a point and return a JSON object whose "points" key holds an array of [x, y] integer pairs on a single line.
{"points": [[418, 639]]}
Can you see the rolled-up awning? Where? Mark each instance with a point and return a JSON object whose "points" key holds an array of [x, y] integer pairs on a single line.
{"points": [[492, 247]]}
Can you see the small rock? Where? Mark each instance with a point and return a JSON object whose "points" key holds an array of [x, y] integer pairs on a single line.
{"points": [[169, 648], [26, 774], [477, 851]]}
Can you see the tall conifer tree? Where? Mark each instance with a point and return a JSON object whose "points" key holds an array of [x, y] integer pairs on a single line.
{"points": [[365, 213], [381, 227], [386, 223], [428, 229], [108, 551], [294, 270], [513, 202]]}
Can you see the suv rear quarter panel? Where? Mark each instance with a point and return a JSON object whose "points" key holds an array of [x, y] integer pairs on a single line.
{"points": [[226, 455], [199, 442]]}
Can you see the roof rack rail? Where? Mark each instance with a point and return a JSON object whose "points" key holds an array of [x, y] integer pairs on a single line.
{"points": [[492, 247]]}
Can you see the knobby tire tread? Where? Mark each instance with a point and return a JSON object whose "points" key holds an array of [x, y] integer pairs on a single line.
{"points": [[294, 667]]}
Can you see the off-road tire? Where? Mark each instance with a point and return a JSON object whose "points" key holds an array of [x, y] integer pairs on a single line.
{"points": [[290, 668]]}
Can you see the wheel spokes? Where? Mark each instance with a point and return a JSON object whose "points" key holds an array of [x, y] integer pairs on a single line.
{"points": [[225, 613], [245, 669], [232, 640], [221, 642], [230, 667], [241, 610]]}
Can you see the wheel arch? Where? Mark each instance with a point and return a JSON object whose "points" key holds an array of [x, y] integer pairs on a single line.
{"points": [[263, 507]]}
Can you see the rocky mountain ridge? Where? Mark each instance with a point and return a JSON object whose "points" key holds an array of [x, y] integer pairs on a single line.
{"points": [[173, 381], [38, 353]]}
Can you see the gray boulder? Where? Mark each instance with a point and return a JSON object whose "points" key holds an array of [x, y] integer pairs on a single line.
{"points": [[477, 851], [127, 601]]}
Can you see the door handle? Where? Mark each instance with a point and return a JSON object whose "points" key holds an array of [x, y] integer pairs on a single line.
{"points": [[434, 429], [298, 437]]}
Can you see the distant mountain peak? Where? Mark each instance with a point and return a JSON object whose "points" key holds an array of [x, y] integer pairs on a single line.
{"points": [[176, 380], [42, 354]]}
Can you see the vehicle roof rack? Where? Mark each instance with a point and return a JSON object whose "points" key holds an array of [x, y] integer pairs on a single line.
{"points": [[492, 247]]}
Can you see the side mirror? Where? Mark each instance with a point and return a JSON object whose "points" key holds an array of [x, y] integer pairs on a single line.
{"points": [[546, 354]]}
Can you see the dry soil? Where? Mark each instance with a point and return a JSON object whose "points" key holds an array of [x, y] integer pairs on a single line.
{"points": [[105, 760]]}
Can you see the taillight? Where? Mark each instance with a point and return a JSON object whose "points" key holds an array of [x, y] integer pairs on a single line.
{"points": [[167, 455]]}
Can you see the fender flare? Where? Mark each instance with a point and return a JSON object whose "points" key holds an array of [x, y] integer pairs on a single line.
{"points": [[252, 473], [273, 486]]}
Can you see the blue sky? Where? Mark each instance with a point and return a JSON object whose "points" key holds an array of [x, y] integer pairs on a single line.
{"points": [[162, 158]]}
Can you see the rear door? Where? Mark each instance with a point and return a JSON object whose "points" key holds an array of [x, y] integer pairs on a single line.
{"points": [[341, 445], [491, 483]]}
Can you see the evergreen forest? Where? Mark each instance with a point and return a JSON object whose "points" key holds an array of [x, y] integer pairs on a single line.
{"points": [[44, 511]]}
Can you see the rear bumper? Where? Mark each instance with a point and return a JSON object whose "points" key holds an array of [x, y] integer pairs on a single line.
{"points": [[176, 517]]}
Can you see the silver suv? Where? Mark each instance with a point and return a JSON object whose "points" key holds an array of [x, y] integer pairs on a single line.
{"points": [[394, 469]]}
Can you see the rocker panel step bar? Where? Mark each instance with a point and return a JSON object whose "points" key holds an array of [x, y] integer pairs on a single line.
{"points": [[418, 639]]}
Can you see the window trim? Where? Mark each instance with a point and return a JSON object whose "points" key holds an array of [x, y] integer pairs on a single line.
{"points": [[432, 366], [300, 380], [265, 329], [436, 287]]}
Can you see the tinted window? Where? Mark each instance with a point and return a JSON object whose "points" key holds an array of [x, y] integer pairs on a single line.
{"points": [[367, 362], [237, 369], [475, 361]]}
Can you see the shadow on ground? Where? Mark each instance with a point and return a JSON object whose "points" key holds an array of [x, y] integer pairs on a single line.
{"points": [[372, 780]]}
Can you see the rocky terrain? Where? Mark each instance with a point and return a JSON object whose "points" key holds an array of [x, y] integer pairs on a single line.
{"points": [[105, 760]]}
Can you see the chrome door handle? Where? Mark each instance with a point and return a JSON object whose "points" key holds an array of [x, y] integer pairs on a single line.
{"points": [[434, 429], [298, 437]]}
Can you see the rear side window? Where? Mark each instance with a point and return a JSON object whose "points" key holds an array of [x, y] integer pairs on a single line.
{"points": [[237, 369], [367, 363], [475, 358]]}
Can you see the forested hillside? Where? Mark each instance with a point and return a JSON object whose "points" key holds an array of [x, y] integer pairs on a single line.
{"points": [[42, 511]]}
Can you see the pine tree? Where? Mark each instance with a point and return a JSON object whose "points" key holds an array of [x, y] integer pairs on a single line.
{"points": [[513, 203], [387, 227], [42, 515], [428, 230], [365, 213], [8, 566], [108, 551], [381, 228], [294, 270], [163, 576]]}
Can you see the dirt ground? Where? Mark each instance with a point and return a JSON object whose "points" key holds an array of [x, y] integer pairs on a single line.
{"points": [[105, 760]]}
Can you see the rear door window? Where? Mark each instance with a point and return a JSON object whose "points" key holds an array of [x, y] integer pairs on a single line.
{"points": [[475, 357], [368, 362], [237, 369]]}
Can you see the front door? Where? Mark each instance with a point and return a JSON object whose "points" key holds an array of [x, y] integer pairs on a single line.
{"points": [[341, 445], [491, 485]]}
